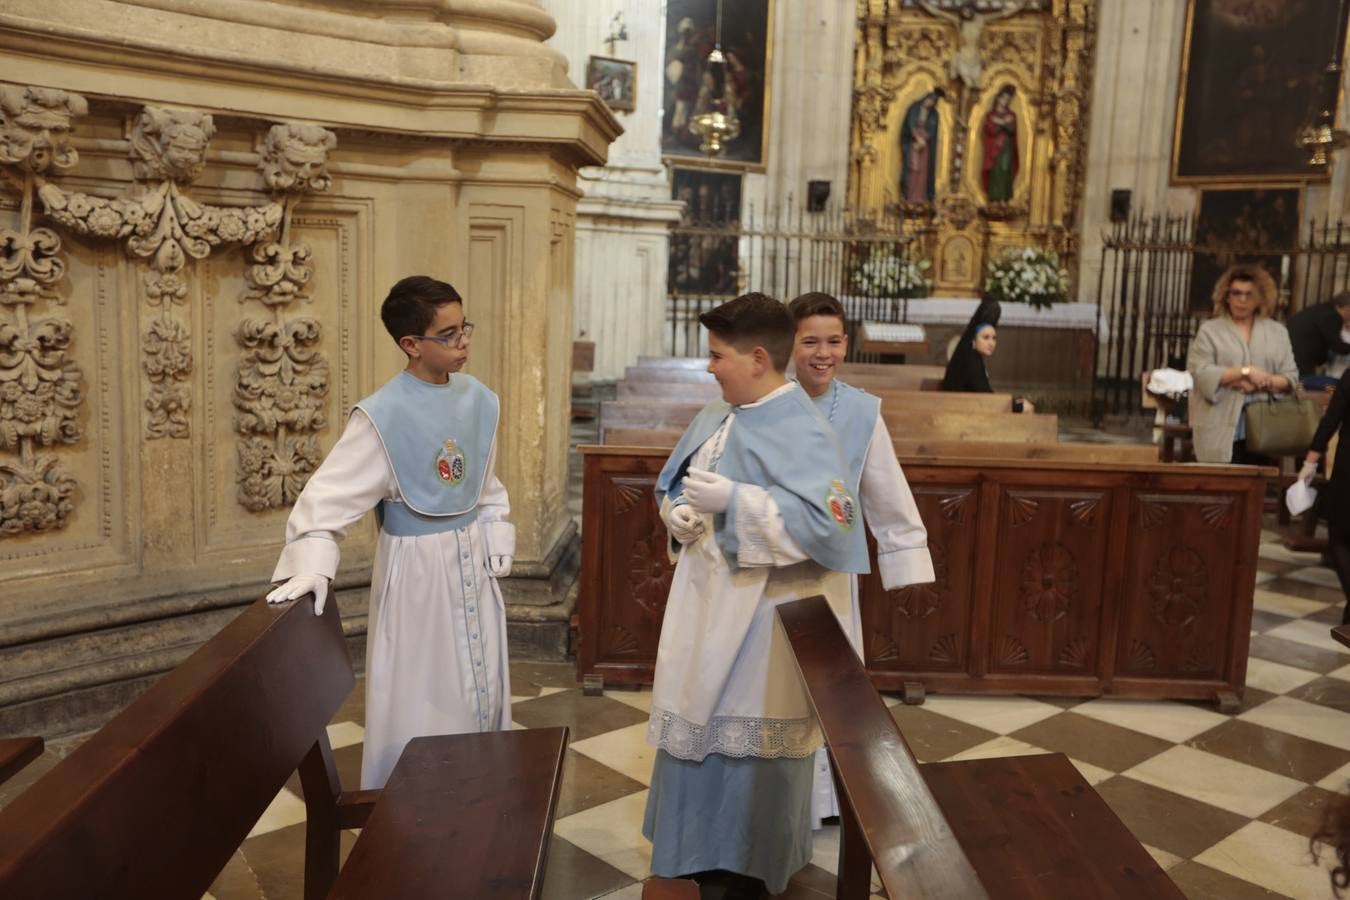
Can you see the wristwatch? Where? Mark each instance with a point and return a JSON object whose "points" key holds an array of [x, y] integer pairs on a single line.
{"points": [[1246, 370]]}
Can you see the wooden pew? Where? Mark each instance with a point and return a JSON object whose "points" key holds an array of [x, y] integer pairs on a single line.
{"points": [[17, 752], [899, 398], [904, 424], [1022, 827], [1342, 634], [669, 889], [1097, 454], [864, 375], [154, 804]]}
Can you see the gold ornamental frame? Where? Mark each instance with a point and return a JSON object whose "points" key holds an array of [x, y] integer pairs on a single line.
{"points": [[1176, 179]]}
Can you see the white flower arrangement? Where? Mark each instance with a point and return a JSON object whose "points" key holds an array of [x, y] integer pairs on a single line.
{"points": [[1029, 275], [883, 274]]}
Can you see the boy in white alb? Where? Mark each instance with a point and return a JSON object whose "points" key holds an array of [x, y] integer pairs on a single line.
{"points": [[420, 451], [875, 477], [756, 497]]}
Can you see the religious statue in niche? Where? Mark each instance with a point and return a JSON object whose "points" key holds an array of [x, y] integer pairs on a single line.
{"points": [[965, 66], [998, 171], [918, 148]]}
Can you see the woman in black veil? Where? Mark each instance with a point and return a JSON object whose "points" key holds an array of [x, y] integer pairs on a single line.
{"points": [[966, 369]]}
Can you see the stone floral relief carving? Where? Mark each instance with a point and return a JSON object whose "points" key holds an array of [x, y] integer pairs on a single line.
{"points": [[282, 381], [41, 387], [159, 222]]}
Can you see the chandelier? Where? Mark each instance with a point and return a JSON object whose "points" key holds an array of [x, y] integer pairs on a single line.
{"points": [[715, 121], [1321, 138]]}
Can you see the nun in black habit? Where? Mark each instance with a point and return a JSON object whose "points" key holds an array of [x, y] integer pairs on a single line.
{"points": [[965, 370]]}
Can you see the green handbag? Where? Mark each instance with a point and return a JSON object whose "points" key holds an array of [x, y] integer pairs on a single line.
{"points": [[1282, 427]]}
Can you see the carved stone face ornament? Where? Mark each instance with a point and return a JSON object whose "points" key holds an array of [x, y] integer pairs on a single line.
{"points": [[35, 126], [294, 158], [170, 144]]}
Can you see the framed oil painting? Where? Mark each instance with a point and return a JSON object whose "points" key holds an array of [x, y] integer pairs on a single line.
{"points": [[1251, 79], [1242, 225], [691, 33], [615, 80], [703, 249]]}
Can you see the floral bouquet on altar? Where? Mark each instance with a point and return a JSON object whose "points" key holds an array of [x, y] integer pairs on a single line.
{"points": [[884, 273], [1029, 275]]}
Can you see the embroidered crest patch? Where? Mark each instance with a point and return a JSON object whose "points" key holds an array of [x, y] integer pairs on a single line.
{"points": [[842, 506], [450, 463]]}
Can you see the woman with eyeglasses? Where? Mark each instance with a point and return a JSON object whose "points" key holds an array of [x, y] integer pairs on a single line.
{"points": [[1239, 357]]}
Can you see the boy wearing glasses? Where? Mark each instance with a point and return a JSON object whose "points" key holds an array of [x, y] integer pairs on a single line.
{"points": [[420, 452]]}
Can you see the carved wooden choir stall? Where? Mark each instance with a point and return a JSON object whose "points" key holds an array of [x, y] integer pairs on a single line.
{"points": [[1054, 577]]}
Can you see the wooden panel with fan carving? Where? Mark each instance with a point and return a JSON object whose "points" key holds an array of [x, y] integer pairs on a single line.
{"points": [[626, 573], [926, 627], [1177, 609], [1047, 592]]}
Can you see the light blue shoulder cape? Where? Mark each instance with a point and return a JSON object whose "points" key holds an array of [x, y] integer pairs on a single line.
{"points": [[787, 447], [852, 412], [438, 438]]}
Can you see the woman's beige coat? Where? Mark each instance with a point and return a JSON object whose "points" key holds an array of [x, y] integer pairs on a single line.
{"points": [[1215, 410]]}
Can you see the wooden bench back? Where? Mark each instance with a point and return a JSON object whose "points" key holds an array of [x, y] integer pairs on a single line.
{"points": [[878, 783], [864, 375], [898, 398], [154, 804]]}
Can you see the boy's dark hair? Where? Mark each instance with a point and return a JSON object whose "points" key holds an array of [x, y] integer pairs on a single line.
{"points": [[817, 303], [754, 320], [412, 303]]}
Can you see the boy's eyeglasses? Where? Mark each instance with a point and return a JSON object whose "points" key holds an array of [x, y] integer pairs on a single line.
{"points": [[445, 340]]}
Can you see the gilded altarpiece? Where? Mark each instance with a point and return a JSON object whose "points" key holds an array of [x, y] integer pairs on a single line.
{"points": [[971, 117]]}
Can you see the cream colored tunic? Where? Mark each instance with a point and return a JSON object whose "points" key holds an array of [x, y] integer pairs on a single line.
{"points": [[1215, 409]]}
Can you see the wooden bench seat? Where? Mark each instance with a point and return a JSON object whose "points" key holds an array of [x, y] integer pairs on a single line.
{"points": [[155, 803], [463, 815], [1028, 828], [17, 752], [1342, 634]]}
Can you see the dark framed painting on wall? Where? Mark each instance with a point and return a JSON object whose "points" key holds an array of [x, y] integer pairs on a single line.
{"points": [[688, 85], [704, 247], [615, 80], [1251, 79], [1243, 225]]}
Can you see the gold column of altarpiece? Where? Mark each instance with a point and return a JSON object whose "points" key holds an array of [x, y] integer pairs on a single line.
{"points": [[1024, 65]]}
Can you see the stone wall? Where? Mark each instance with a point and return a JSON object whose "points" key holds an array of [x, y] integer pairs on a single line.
{"points": [[203, 213]]}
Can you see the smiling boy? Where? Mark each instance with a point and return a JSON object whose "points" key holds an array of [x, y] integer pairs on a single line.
{"points": [[755, 496], [874, 472], [421, 451]]}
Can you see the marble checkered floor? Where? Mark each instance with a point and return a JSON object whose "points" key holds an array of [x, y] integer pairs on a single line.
{"points": [[1226, 803]]}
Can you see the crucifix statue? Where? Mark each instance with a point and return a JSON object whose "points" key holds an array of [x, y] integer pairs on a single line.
{"points": [[970, 21]]}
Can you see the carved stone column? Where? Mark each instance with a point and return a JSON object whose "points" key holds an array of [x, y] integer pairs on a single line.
{"points": [[225, 329]]}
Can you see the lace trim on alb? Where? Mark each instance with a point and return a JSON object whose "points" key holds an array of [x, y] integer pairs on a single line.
{"points": [[735, 736]]}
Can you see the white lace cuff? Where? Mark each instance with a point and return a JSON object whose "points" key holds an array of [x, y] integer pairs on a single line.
{"points": [[735, 736]]}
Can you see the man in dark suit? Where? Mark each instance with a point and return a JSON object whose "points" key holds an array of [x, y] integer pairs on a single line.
{"points": [[1319, 331]]}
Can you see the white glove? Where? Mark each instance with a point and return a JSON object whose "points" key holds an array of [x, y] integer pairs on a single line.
{"points": [[1307, 473], [685, 524], [499, 565], [299, 586], [707, 491]]}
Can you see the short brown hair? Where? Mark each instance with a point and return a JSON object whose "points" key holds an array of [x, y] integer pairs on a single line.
{"points": [[754, 320], [412, 303], [817, 303], [1260, 279]]}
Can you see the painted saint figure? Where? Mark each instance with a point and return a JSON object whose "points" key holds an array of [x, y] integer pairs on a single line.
{"points": [[918, 148], [999, 169]]}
